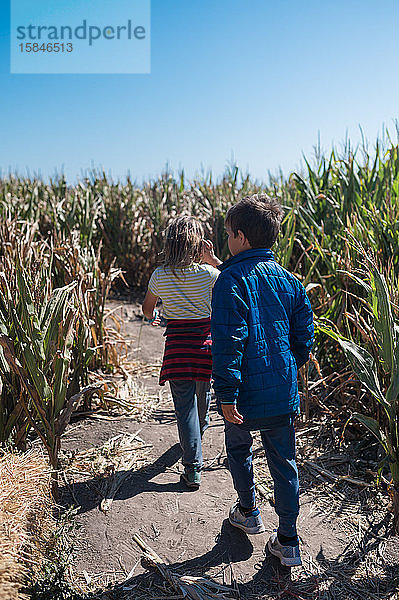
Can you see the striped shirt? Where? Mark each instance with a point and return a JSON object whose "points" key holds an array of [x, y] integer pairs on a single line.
{"points": [[187, 296]]}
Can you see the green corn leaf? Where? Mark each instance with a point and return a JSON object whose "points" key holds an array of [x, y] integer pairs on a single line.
{"points": [[28, 357], [359, 281], [61, 365], [380, 469], [286, 245], [363, 365], [23, 375], [54, 304], [393, 390], [16, 329], [62, 362], [37, 376], [383, 319], [52, 318], [5, 301], [88, 355], [28, 317], [9, 425], [310, 271], [4, 366], [374, 427], [387, 331]]}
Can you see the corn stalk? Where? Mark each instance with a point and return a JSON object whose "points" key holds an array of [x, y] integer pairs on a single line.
{"points": [[373, 374], [35, 341]]}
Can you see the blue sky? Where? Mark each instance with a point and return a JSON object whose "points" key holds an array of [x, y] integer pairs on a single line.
{"points": [[254, 79]]}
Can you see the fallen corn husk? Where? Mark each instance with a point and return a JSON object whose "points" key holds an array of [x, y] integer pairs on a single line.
{"points": [[312, 466], [26, 520], [125, 395], [193, 588]]}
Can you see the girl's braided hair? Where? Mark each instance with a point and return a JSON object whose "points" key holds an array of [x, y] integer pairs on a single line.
{"points": [[183, 243]]}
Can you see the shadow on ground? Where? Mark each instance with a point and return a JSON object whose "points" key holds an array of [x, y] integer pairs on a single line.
{"points": [[272, 581], [87, 494]]}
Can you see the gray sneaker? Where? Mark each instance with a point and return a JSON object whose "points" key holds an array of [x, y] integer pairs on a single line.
{"points": [[289, 555], [251, 525]]}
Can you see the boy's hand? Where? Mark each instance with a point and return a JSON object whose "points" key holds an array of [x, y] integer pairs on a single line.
{"points": [[231, 414], [208, 254]]}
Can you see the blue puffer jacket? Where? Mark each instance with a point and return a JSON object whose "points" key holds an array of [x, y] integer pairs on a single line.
{"points": [[262, 332]]}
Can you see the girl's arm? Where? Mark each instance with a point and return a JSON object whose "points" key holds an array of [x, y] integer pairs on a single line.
{"points": [[149, 304], [208, 255]]}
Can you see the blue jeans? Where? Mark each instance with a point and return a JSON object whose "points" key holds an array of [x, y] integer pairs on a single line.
{"points": [[279, 445], [191, 400]]}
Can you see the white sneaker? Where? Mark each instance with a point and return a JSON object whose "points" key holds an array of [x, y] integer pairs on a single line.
{"points": [[251, 525], [289, 555]]}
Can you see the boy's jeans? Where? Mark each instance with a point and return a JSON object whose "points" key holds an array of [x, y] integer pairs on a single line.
{"points": [[279, 445], [191, 400]]}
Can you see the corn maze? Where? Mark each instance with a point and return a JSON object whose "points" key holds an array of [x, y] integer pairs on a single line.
{"points": [[65, 248]]}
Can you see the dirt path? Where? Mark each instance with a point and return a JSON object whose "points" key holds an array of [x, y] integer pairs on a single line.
{"points": [[188, 529]]}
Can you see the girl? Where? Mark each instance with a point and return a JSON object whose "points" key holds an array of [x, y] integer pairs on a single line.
{"points": [[184, 285]]}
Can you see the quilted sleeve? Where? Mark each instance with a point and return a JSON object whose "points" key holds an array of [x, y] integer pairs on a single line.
{"points": [[229, 336], [301, 327]]}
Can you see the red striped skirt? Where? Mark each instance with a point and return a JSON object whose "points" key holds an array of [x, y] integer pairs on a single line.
{"points": [[187, 350]]}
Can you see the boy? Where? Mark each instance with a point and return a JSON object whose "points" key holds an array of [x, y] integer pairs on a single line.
{"points": [[262, 333]]}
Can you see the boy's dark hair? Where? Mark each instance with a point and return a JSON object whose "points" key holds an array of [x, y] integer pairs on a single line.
{"points": [[258, 217]]}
